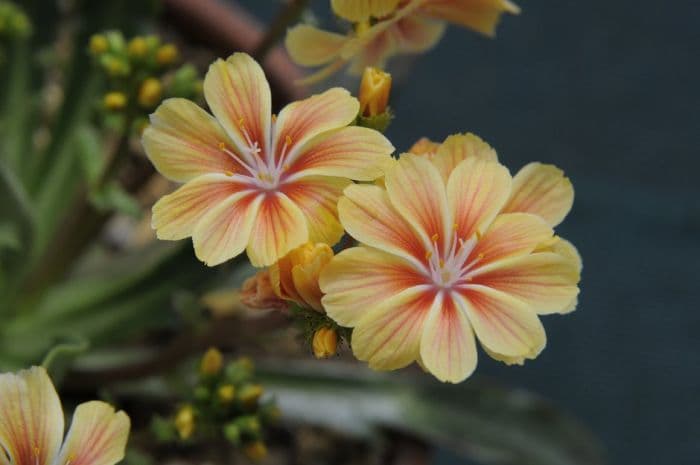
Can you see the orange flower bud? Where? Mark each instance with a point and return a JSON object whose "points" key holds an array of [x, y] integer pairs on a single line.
{"points": [[295, 276], [374, 91], [257, 292], [325, 342]]}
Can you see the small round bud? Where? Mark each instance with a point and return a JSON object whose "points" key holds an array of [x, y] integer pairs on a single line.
{"points": [[98, 44], [150, 93], [255, 451], [250, 394], [325, 342], [232, 433], [226, 393], [212, 362], [185, 422], [166, 54], [114, 101], [137, 48]]}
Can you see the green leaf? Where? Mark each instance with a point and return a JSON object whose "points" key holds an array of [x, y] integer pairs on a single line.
{"points": [[489, 423], [113, 197], [90, 153], [59, 359]]}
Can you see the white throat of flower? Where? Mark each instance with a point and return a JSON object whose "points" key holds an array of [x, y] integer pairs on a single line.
{"points": [[451, 266], [264, 171]]}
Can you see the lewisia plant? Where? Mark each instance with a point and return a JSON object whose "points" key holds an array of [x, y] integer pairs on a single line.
{"points": [[254, 181], [31, 425], [384, 28], [452, 248]]}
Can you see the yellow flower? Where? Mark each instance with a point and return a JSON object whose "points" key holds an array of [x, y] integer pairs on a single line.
{"points": [[453, 247], [98, 44], [138, 47], [167, 54], [226, 393], [363, 10], [415, 26], [32, 425], [325, 342], [258, 292], [252, 182], [374, 91], [295, 276]]}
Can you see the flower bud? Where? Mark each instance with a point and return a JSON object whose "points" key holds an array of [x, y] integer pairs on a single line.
{"points": [[295, 276], [114, 101], [374, 91], [167, 54], [211, 363], [150, 92], [137, 48], [255, 451], [325, 342], [257, 292], [226, 393], [184, 422], [250, 394], [98, 44]]}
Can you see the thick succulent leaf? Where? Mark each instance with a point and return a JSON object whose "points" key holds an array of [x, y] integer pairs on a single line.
{"points": [[488, 423]]}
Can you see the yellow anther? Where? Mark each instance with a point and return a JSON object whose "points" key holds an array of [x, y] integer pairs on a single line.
{"points": [[442, 263], [454, 226], [36, 451], [274, 118], [241, 123], [435, 237], [480, 256], [222, 146], [285, 166], [428, 255], [288, 140], [228, 173], [479, 235]]}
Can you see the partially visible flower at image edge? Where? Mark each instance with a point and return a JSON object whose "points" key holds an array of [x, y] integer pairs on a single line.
{"points": [[32, 425], [254, 181], [409, 27], [452, 248]]}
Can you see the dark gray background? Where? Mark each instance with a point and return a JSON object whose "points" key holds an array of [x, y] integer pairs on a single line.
{"points": [[607, 90]]}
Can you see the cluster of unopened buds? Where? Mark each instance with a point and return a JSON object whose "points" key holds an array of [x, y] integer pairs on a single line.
{"points": [[226, 402], [141, 73]]}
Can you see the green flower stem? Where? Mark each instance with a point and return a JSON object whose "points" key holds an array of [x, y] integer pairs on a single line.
{"points": [[17, 105]]}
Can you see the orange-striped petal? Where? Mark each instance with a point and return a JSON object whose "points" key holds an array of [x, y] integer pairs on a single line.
{"points": [[476, 191], [224, 232], [183, 142], [459, 147], [417, 34], [301, 121], [447, 347], [176, 215], [511, 235], [504, 324], [279, 227], [362, 10], [388, 336], [546, 281], [541, 190], [310, 46], [317, 197], [353, 152], [481, 16], [239, 96], [97, 436], [566, 249], [360, 278], [367, 215], [31, 422], [418, 193]]}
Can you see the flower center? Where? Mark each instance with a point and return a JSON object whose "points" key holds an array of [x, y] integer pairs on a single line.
{"points": [[264, 170], [449, 266]]}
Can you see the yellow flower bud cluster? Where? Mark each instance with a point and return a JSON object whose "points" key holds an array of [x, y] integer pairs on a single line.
{"points": [[14, 22], [226, 401], [140, 73]]}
